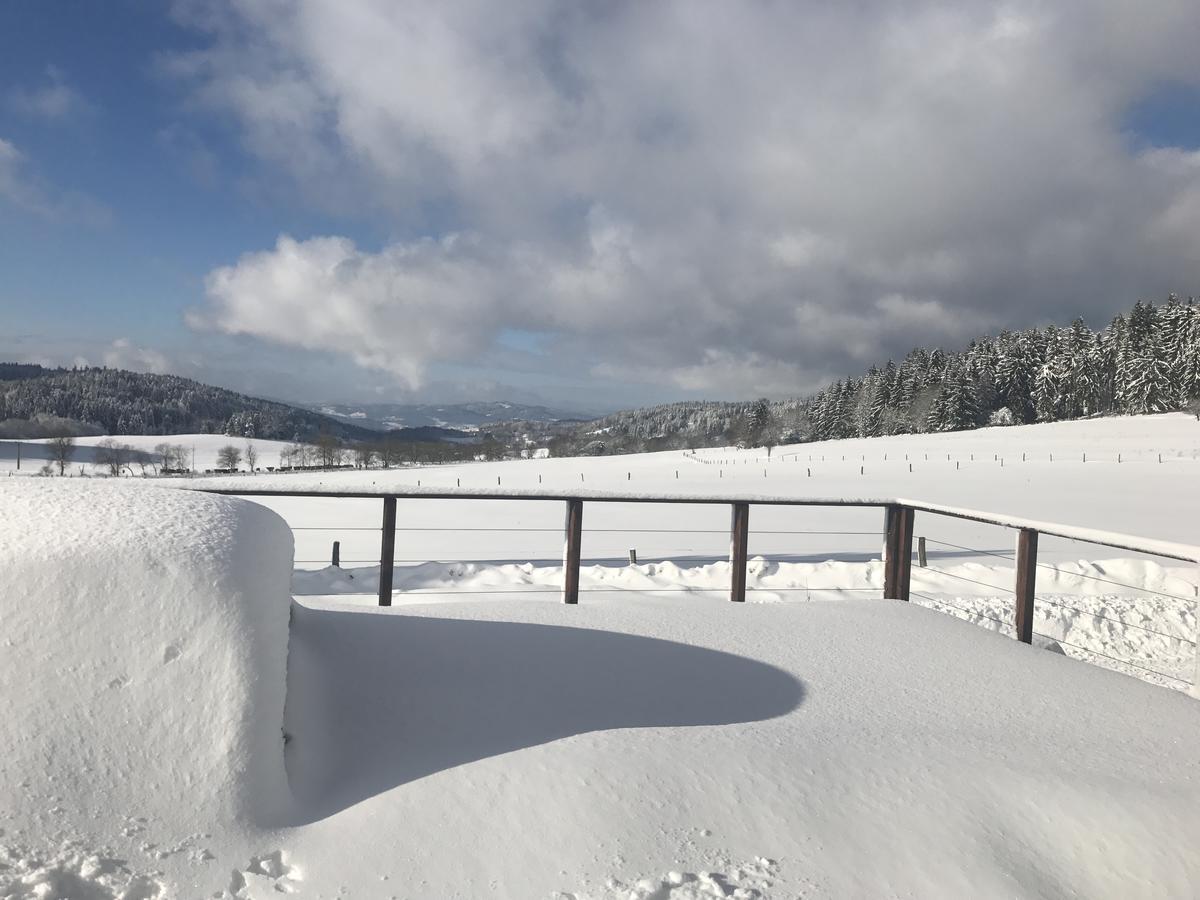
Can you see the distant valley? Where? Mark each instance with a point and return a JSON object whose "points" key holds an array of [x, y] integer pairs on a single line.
{"points": [[460, 416]]}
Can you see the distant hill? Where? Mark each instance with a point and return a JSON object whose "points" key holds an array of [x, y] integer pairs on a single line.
{"points": [[463, 416], [1145, 361], [115, 401]]}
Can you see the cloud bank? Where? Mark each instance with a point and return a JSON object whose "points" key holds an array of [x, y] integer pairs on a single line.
{"points": [[730, 198]]}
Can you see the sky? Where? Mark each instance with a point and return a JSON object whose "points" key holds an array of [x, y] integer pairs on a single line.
{"points": [[590, 205]]}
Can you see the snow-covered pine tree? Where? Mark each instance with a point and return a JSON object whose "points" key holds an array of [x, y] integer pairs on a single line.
{"points": [[1151, 387]]}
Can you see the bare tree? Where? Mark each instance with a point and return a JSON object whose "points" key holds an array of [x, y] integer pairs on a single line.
{"points": [[364, 456], [174, 456], [328, 451], [251, 456], [142, 458], [112, 455], [62, 448], [228, 457]]}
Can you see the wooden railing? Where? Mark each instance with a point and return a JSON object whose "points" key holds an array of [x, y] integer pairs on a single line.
{"points": [[897, 534]]}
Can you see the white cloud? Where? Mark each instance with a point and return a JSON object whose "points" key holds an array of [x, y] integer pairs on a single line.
{"points": [[124, 354], [52, 99], [684, 188], [21, 188]]}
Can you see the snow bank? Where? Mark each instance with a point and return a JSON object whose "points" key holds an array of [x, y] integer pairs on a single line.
{"points": [[143, 669]]}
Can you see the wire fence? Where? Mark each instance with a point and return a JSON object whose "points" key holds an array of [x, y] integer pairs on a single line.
{"points": [[1065, 608], [1137, 620]]}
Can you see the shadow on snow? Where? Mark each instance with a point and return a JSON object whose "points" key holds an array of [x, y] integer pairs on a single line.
{"points": [[378, 700]]}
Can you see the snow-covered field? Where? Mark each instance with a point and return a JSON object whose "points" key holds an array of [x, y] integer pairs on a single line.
{"points": [[480, 739], [1135, 475], [201, 451]]}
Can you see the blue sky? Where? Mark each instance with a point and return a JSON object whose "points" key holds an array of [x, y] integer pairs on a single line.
{"points": [[594, 208]]}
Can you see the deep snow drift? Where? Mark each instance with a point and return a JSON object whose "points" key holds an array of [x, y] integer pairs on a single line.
{"points": [[143, 674]]}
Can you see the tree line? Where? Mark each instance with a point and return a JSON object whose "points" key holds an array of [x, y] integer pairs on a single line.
{"points": [[1144, 361], [115, 401]]}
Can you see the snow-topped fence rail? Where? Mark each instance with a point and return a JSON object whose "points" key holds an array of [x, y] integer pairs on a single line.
{"points": [[897, 535]]}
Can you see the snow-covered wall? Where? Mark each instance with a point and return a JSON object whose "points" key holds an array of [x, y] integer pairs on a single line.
{"points": [[143, 654]]}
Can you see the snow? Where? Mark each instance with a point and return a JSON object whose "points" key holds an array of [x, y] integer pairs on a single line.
{"points": [[655, 741], [203, 448], [1103, 611], [144, 675], [530, 750]]}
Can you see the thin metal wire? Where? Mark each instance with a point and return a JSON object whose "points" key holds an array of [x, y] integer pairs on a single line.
{"points": [[774, 590], [721, 531], [328, 563], [971, 549], [1084, 612], [994, 587], [1134, 587], [334, 528], [969, 612], [1054, 568], [1124, 662]]}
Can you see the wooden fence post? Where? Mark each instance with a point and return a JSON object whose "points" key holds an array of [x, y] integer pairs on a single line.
{"points": [[904, 556], [739, 538], [337, 554], [571, 548], [891, 522], [922, 560], [1027, 543], [897, 551], [387, 551]]}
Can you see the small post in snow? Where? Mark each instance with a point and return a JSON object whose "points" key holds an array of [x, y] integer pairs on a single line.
{"points": [[922, 561], [337, 554], [573, 539], [1027, 542], [387, 551], [739, 538], [632, 557]]}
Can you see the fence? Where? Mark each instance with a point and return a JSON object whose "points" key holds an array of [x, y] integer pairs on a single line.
{"points": [[897, 536]]}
